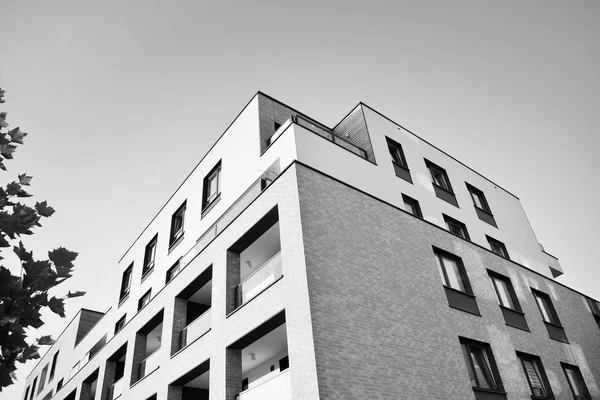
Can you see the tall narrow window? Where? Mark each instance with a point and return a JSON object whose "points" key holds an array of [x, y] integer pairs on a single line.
{"points": [[550, 317], [53, 368], [126, 282], [120, 324], [145, 299], [452, 271], [33, 388], [398, 160], [498, 247], [456, 227], [177, 224], [576, 382], [149, 256], [211, 189], [536, 376], [481, 366], [441, 183], [26, 392], [504, 291], [173, 271], [412, 206], [481, 205]]}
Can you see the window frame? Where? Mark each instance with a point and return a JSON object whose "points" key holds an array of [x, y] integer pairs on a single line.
{"points": [[440, 255], [142, 302], [207, 201], [550, 311], [169, 274], [474, 192], [414, 204], [511, 291], [579, 376], [150, 256], [53, 366], [441, 172], [122, 320], [124, 292], [395, 147], [488, 357], [540, 372], [451, 222], [503, 251], [178, 215]]}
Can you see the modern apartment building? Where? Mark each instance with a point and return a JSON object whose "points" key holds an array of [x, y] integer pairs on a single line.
{"points": [[300, 261]]}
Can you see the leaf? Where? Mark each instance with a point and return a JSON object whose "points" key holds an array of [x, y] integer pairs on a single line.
{"points": [[57, 306], [7, 150], [30, 353], [71, 295], [23, 254], [62, 257], [16, 136], [15, 189], [45, 340], [25, 180], [44, 209]]}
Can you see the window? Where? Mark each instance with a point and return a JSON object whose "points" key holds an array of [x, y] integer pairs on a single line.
{"points": [[276, 125], [481, 205], [452, 271], [504, 291], [149, 256], [498, 247], [53, 368], [33, 388], [594, 309], [536, 376], [120, 324], [457, 227], [26, 392], [177, 225], [211, 189], [145, 299], [481, 366], [173, 271], [60, 384], [553, 325], [441, 183], [576, 382], [412, 206], [398, 160], [126, 282]]}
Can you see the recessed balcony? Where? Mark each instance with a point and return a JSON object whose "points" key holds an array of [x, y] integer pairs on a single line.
{"points": [[259, 280], [192, 314], [116, 390]]}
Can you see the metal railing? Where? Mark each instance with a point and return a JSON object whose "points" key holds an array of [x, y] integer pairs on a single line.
{"points": [[195, 329], [256, 282]]}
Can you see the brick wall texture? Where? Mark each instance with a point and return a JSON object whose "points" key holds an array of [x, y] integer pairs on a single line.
{"points": [[353, 128], [381, 322], [87, 321]]}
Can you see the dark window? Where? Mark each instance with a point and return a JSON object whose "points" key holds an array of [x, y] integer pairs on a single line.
{"points": [[481, 365], [452, 271], [244, 384], [594, 306], [53, 368], [211, 187], [498, 247], [26, 392], [60, 384], [439, 177], [177, 224], [546, 308], [481, 205], [33, 388], [396, 153], [149, 256], [576, 382], [536, 376], [173, 271], [276, 125], [120, 324], [126, 282], [412, 206], [284, 363], [145, 299], [457, 227], [504, 291]]}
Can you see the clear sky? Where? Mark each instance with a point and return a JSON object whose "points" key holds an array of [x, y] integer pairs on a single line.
{"points": [[122, 99]]}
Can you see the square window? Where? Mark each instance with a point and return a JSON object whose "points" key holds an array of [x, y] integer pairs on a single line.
{"points": [[576, 382], [452, 271], [481, 366], [149, 256], [120, 324], [177, 224], [498, 247], [456, 227], [145, 299], [412, 206], [173, 271], [211, 186], [536, 376], [126, 282]]}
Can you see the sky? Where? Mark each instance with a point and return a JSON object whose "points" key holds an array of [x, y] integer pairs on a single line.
{"points": [[122, 99]]}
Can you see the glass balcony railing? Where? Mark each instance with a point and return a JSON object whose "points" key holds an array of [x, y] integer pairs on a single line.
{"points": [[149, 364], [259, 280], [195, 329], [116, 389], [276, 385], [329, 135]]}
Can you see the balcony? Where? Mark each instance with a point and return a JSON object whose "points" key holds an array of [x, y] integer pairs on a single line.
{"points": [[329, 135], [195, 329], [259, 280], [116, 390], [149, 364], [274, 385]]}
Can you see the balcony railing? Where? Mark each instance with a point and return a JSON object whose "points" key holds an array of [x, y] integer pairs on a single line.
{"points": [[195, 329], [259, 280], [328, 134], [116, 389], [276, 385], [149, 364]]}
